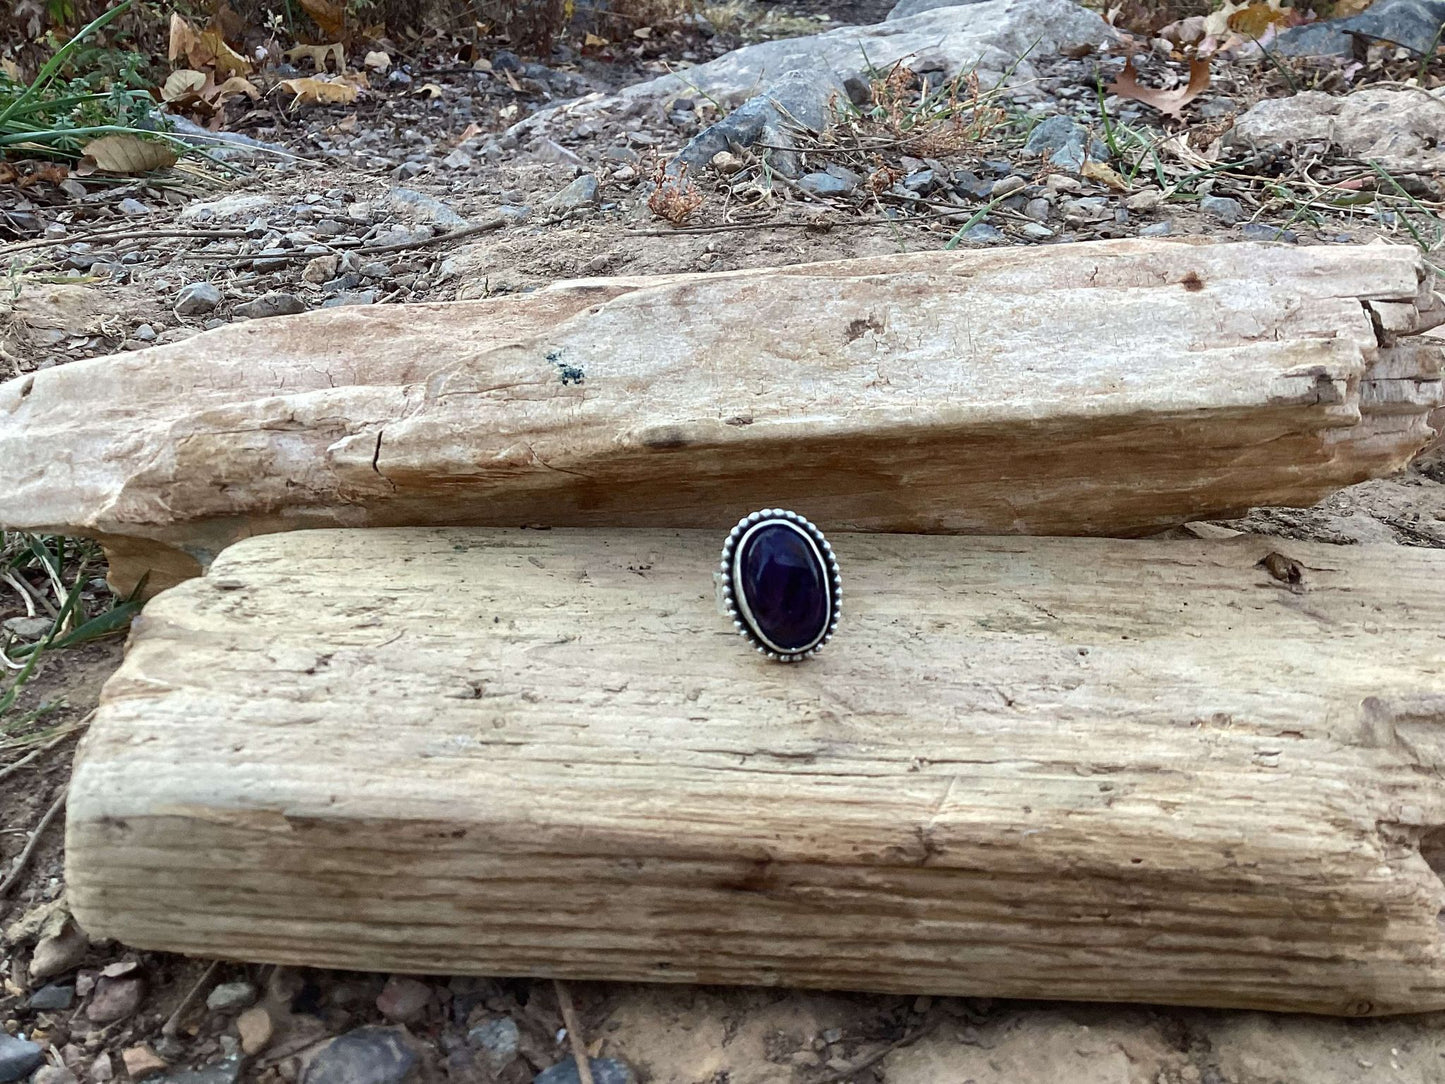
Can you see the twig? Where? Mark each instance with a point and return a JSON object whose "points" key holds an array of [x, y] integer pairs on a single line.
{"points": [[173, 1023], [11, 769], [23, 860], [116, 235], [877, 1056], [574, 1032]]}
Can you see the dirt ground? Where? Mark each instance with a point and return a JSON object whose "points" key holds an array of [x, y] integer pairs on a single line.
{"points": [[296, 227]]}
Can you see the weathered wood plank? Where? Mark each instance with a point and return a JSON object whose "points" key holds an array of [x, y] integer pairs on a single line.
{"points": [[1066, 768], [1109, 388]]}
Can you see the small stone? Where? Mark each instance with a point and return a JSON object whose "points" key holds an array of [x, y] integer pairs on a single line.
{"points": [[51, 997], [374, 269], [27, 628], [1035, 231], [132, 207], [604, 1071], [458, 159], [407, 170], [580, 193], [230, 996], [114, 999], [350, 297], [53, 1074], [499, 1040], [72, 188], [1157, 229], [255, 1028], [1224, 208], [554, 153], [141, 1061], [101, 1069], [921, 181], [968, 183], [18, 1058], [321, 269], [1038, 209], [1147, 200], [1065, 142], [265, 306], [368, 1055], [196, 298], [145, 333], [403, 1000], [824, 184], [1062, 182], [1258, 231], [727, 163], [418, 207], [226, 1070], [514, 196], [1006, 186], [982, 232]]}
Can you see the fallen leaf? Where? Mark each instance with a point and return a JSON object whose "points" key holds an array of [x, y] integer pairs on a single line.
{"points": [[1258, 19], [235, 85], [592, 41], [330, 17], [319, 91], [182, 83], [204, 49], [643, 32], [1343, 8], [1169, 102], [11, 69], [471, 131], [126, 153], [429, 90], [481, 64], [512, 81], [319, 55], [1104, 174], [183, 36], [377, 61], [228, 22]]}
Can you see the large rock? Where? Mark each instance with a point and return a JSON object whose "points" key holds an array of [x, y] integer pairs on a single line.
{"points": [[912, 392], [904, 8], [987, 37], [1403, 130], [1190, 772], [1415, 24]]}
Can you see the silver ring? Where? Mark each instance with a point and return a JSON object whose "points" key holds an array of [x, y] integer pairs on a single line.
{"points": [[780, 584]]}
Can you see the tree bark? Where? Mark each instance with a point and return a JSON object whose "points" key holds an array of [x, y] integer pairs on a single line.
{"points": [[1189, 772]]}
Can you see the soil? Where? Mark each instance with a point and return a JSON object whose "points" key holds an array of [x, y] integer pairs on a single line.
{"points": [[111, 294]]}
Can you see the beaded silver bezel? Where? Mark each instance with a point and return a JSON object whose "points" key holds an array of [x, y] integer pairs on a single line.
{"points": [[741, 621]]}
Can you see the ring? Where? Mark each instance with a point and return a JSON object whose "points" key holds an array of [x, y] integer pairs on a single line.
{"points": [[780, 584]]}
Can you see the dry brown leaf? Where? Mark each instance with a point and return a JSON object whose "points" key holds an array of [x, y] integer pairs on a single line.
{"points": [[643, 32], [320, 91], [330, 17], [319, 55], [471, 131], [1255, 20], [1343, 8], [428, 90], [11, 69], [204, 49], [183, 36], [1104, 174], [235, 85], [512, 81], [592, 41], [126, 153], [228, 22], [1169, 102], [182, 83]]}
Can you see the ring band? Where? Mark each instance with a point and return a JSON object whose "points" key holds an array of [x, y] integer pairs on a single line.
{"points": [[781, 584]]}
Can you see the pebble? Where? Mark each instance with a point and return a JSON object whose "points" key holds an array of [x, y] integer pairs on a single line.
{"points": [[27, 628], [350, 297], [583, 192], [320, 269], [1062, 182], [604, 1071], [824, 184], [230, 996], [270, 304], [968, 183], [145, 333], [403, 235], [418, 207], [141, 1061], [1037, 209], [1148, 199], [368, 1055], [403, 1000], [1035, 231], [1065, 142], [458, 159], [52, 997], [920, 181], [1258, 231], [18, 1057], [255, 1028], [115, 999], [1224, 208], [1006, 186], [101, 1069], [499, 1040], [225, 1070], [1157, 229], [982, 232], [53, 1074], [132, 207], [196, 298], [553, 153]]}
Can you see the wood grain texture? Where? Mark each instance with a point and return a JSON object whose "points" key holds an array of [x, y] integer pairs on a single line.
{"points": [[1061, 768], [1095, 389]]}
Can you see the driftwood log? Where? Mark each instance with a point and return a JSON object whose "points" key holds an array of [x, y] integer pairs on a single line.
{"points": [[1190, 772], [1109, 388]]}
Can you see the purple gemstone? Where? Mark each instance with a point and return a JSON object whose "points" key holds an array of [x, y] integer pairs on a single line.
{"points": [[782, 585]]}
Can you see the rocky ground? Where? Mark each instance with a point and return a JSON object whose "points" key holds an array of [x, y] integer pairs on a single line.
{"points": [[437, 186]]}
